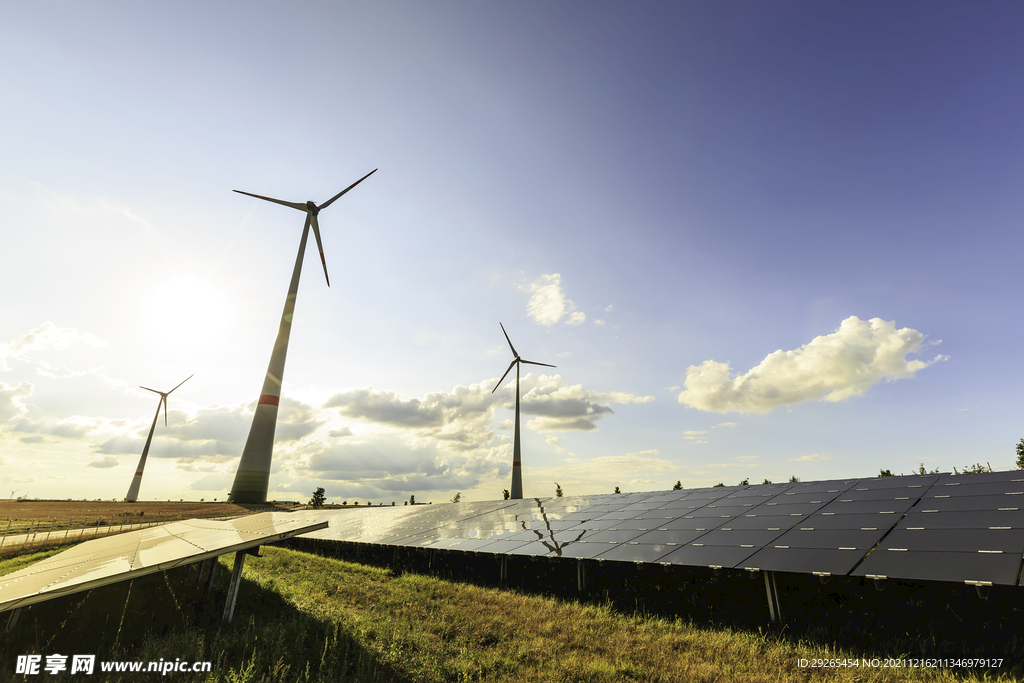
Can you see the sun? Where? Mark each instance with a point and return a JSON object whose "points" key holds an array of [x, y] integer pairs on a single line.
{"points": [[187, 313]]}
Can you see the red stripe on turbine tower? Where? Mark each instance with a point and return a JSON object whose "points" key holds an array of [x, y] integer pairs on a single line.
{"points": [[270, 400]]}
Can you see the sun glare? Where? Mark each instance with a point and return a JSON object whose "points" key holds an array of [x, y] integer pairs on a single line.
{"points": [[187, 313]]}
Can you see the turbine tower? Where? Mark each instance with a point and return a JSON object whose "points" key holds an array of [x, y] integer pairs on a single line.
{"points": [[133, 490], [252, 479], [517, 469]]}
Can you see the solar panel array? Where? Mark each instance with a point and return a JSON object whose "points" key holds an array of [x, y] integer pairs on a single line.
{"points": [[103, 561], [965, 528]]}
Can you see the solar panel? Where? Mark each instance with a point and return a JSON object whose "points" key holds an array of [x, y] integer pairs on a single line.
{"points": [[765, 522], [958, 540], [672, 537], [831, 539], [708, 556], [756, 538], [805, 560], [942, 566], [637, 552], [107, 560], [831, 520], [941, 503], [967, 519], [844, 506]]}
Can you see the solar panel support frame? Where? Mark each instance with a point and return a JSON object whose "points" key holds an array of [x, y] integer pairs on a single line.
{"points": [[772, 591], [13, 621], [581, 575], [209, 579], [236, 579]]}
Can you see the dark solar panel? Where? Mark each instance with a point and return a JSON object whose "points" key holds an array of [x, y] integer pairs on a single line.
{"points": [[966, 488], [611, 535], [892, 493], [672, 537], [968, 503], [942, 566], [718, 511], [862, 521], [833, 539], [924, 481], [956, 540], [843, 506], [968, 519], [756, 538], [805, 560], [708, 556], [765, 522], [785, 510]]}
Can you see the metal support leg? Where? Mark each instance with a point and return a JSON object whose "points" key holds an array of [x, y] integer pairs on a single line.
{"points": [[581, 575], [504, 568], [201, 572], [13, 620], [773, 597], [209, 581], [236, 579]]}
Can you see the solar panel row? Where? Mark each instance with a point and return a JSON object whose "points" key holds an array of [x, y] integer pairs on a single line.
{"points": [[930, 527]]}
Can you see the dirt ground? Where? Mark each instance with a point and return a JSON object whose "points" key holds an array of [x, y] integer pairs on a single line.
{"points": [[64, 510]]}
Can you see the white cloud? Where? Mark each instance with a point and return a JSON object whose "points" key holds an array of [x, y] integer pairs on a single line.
{"points": [[104, 463], [11, 404], [46, 336], [599, 322], [730, 425], [831, 367], [608, 310], [812, 457], [548, 303], [556, 442]]}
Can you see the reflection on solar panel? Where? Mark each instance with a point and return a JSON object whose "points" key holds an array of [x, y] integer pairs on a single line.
{"points": [[104, 561], [878, 527]]}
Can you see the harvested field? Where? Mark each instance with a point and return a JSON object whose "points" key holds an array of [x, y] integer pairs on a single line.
{"points": [[64, 510]]}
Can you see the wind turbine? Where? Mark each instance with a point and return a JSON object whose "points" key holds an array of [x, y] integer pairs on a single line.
{"points": [[517, 470], [133, 490], [252, 479]]}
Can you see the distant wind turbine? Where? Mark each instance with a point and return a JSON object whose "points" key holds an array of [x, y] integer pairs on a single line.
{"points": [[133, 490], [13, 491], [252, 478], [517, 470]]}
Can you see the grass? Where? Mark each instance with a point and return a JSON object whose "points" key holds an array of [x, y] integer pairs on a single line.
{"points": [[305, 617]]}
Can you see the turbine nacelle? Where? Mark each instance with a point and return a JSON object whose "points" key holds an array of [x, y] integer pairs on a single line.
{"points": [[312, 208]]}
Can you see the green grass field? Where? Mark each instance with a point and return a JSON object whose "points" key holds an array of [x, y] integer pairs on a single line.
{"points": [[305, 617]]}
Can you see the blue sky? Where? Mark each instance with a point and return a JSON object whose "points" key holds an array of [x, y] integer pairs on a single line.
{"points": [[740, 230]]}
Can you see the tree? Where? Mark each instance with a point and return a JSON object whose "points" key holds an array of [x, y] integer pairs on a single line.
{"points": [[1020, 455], [794, 479], [678, 486], [505, 493], [719, 484], [558, 490], [976, 468], [457, 498], [412, 500], [766, 481], [317, 501], [884, 473], [617, 490], [745, 482]]}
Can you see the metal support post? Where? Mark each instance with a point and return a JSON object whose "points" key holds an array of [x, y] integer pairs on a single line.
{"points": [[504, 568], [14, 619], [236, 579], [773, 597], [581, 575], [209, 581]]}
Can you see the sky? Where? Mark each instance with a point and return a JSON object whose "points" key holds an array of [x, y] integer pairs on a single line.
{"points": [[758, 241]]}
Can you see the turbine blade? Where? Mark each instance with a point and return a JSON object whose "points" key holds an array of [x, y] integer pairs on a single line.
{"points": [[153, 390], [533, 362], [503, 377], [331, 200], [182, 381], [509, 341], [294, 205], [320, 246]]}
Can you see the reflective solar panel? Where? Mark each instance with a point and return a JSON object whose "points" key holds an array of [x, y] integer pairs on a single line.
{"points": [[940, 503], [757, 538], [708, 556], [671, 537], [862, 521], [765, 522], [845, 506], [107, 560]]}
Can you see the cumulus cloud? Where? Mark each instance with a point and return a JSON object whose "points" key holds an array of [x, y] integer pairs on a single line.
{"points": [[104, 463], [337, 433], [68, 428], [831, 367], [556, 442], [464, 416], [548, 303], [46, 336], [599, 322], [11, 404]]}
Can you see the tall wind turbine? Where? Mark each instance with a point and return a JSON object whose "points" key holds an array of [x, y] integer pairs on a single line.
{"points": [[517, 469], [252, 479], [133, 490]]}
